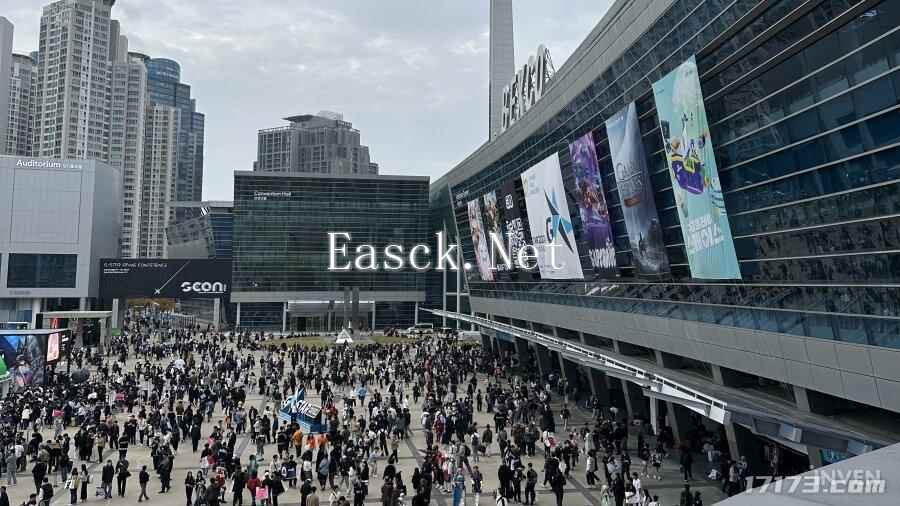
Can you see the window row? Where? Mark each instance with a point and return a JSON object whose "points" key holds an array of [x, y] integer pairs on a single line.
{"points": [[861, 330]]}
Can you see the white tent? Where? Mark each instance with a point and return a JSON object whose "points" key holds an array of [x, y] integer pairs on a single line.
{"points": [[344, 337]]}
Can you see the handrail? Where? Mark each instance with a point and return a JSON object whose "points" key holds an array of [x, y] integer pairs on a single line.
{"points": [[712, 407]]}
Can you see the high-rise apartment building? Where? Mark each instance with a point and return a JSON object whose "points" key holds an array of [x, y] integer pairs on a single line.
{"points": [[322, 143], [72, 99], [21, 106], [165, 87], [126, 144], [6, 38], [159, 175]]}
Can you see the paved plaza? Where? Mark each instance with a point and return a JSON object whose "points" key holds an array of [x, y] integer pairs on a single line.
{"points": [[410, 456]]}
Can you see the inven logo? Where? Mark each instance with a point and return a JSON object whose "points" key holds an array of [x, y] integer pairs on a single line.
{"points": [[204, 287]]}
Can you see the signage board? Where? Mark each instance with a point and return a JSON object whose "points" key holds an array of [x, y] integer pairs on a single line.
{"points": [[165, 278]]}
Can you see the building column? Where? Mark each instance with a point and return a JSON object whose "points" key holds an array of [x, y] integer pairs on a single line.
{"points": [[284, 313], [416, 314], [654, 415], [217, 307], [82, 304], [237, 317], [36, 307], [801, 397], [522, 352], [373, 316]]}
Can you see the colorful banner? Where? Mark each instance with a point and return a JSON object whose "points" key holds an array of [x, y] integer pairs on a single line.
{"points": [[479, 242], [550, 221], [695, 177], [598, 233], [494, 225], [24, 358], [635, 192], [513, 221]]}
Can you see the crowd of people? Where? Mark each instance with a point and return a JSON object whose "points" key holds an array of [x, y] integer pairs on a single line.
{"points": [[218, 397]]}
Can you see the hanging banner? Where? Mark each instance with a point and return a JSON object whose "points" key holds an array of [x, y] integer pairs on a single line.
{"points": [[635, 192], [479, 242], [598, 234], [550, 221], [494, 225], [695, 177], [513, 221]]}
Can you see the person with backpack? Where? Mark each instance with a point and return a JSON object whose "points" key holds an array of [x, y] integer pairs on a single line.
{"points": [[46, 492], [531, 478], [558, 485]]}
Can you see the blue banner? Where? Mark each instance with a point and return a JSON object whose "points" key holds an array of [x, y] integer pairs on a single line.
{"points": [[695, 176]]}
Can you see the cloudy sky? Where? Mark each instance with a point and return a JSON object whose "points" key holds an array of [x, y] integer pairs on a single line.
{"points": [[411, 75]]}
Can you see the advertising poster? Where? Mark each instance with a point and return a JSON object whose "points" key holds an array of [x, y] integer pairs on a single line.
{"points": [[165, 278], [695, 177], [550, 222], [23, 359], [53, 347], [479, 242], [636, 194], [494, 225], [598, 234], [513, 222]]}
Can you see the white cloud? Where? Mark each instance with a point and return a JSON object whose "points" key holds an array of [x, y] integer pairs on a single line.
{"points": [[410, 75]]}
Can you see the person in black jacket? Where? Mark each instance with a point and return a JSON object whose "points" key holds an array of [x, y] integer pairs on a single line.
{"points": [[38, 472], [558, 484], [618, 490], [46, 493], [122, 474], [143, 480], [106, 478]]}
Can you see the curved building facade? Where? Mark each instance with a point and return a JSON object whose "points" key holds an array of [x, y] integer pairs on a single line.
{"points": [[766, 281]]}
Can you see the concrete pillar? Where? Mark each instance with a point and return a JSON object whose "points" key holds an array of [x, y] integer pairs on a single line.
{"points": [[599, 388], [237, 316], [373, 316], [678, 417], [522, 352], [83, 304], [217, 308], [36, 307], [635, 400], [354, 309], [115, 318], [545, 365], [801, 397], [346, 308], [654, 415], [416, 314], [284, 313]]}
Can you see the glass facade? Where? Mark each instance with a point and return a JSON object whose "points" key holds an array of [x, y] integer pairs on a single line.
{"points": [[27, 270], [280, 237], [803, 101]]}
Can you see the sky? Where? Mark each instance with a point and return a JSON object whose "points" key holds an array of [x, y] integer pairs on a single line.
{"points": [[411, 75]]}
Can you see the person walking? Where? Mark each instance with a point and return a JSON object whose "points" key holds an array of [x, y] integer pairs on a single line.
{"points": [[122, 475], [106, 478], [46, 492], [189, 484], [143, 480], [72, 485], [558, 484], [11, 465], [85, 481], [38, 472]]}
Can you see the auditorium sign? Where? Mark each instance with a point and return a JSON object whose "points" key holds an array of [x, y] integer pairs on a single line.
{"points": [[526, 87]]}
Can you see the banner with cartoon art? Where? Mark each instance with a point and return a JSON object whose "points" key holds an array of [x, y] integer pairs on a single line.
{"points": [[550, 221], [695, 177], [598, 232], [479, 241]]}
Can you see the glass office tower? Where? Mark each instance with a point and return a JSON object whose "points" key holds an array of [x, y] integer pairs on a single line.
{"points": [[281, 256]]}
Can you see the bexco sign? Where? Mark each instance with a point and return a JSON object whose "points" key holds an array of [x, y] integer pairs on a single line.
{"points": [[526, 87], [164, 278]]}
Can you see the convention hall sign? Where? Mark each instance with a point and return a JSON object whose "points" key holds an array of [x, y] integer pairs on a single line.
{"points": [[526, 87], [165, 278]]}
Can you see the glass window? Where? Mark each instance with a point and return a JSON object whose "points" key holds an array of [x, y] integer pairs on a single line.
{"points": [[41, 271]]}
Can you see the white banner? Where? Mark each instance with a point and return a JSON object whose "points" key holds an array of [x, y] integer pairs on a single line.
{"points": [[550, 221]]}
